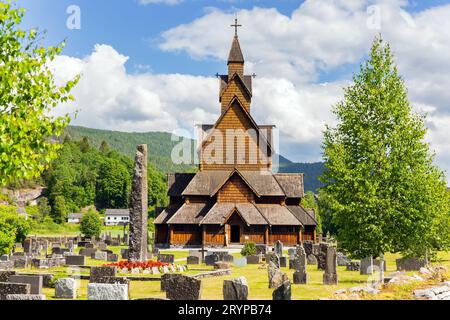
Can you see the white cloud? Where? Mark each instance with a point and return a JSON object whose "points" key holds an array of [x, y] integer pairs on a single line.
{"points": [[288, 53]]}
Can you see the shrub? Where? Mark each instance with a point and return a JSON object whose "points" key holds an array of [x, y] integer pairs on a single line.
{"points": [[248, 249], [12, 228], [91, 224]]}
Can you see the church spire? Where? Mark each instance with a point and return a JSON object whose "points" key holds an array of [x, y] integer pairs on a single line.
{"points": [[235, 55]]}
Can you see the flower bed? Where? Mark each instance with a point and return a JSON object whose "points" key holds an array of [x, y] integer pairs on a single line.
{"points": [[124, 264]]}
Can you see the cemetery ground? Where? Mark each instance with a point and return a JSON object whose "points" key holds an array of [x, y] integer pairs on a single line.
{"points": [[257, 278]]}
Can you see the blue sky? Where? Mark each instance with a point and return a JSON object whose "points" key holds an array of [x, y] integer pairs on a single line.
{"points": [[150, 67]]}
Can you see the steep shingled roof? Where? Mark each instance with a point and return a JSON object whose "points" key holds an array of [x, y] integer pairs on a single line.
{"points": [[166, 214], [278, 215], [303, 215], [235, 54], [177, 182], [190, 213], [220, 212], [292, 184]]}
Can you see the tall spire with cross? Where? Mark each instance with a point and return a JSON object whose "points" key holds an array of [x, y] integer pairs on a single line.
{"points": [[235, 55], [235, 25]]}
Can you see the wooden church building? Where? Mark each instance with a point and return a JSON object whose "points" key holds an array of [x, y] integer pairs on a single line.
{"points": [[234, 197]]}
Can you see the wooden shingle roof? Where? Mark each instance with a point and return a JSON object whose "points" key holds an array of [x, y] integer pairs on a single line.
{"points": [[167, 213], [205, 182], [177, 182], [278, 215], [303, 215], [190, 213], [292, 184], [235, 54], [220, 212], [246, 81]]}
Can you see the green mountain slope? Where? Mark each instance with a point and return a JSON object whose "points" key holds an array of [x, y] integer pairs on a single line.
{"points": [[160, 147]]}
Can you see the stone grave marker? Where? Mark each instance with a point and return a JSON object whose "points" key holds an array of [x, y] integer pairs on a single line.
{"points": [[241, 262], [138, 245], [366, 266], [35, 282], [182, 287], [235, 289], [278, 247], [167, 258], [66, 288], [75, 260], [211, 259], [283, 291], [330, 276], [193, 260], [99, 274], [107, 291], [25, 297], [410, 264], [253, 259], [276, 277], [7, 288], [101, 255]]}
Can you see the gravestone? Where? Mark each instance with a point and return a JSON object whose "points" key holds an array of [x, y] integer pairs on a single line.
{"points": [[5, 275], [183, 287], [35, 282], [13, 288], [89, 245], [221, 265], [330, 276], [193, 260], [235, 289], [27, 245], [241, 262], [291, 253], [25, 297], [278, 248], [227, 258], [300, 274], [276, 277], [66, 288], [283, 291], [410, 264], [75, 260], [342, 259], [107, 291], [167, 258], [100, 255], [124, 253], [308, 246], [283, 262], [272, 257], [112, 257], [88, 252], [366, 266], [211, 259], [6, 265], [253, 259], [377, 264], [321, 256], [98, 274], [4, 257], [138, 245], [165, 278]]}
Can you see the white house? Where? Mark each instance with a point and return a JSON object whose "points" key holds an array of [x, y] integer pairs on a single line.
{"points": [[74, 217], [114, 217]]}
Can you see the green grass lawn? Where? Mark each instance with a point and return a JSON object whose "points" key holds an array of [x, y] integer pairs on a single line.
{"points": [[257, 279]]}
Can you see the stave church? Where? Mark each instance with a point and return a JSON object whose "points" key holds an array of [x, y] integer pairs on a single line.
{"points": [[234, 197]]}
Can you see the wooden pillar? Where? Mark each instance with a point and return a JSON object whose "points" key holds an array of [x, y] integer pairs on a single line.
{"points": [[315, 240], [266, 235], [300, 236], [203, 235], [169, 234]]}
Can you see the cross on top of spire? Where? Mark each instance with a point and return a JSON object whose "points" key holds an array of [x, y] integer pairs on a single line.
{"points": [[235, 25]]}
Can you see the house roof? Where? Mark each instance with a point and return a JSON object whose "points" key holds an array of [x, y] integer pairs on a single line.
{"points": [[246, 80], [190, 213], [177, 182], [166, 214], [75, 215], [305, 216], [220, 213], [278, 215], [292, 184], [204, 182], [235, 54], [117, 212]]}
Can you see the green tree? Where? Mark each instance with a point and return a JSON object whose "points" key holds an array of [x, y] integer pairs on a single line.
{"points": [[91, 224], [44, 208], [12, 228], [309, 202], [113, 185], [27, 95], [326, 213], [104, 147], [157, 188], [60, 211], [385, 192]]}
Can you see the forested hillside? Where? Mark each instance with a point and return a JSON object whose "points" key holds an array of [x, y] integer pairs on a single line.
{"points": [[160, 148]]}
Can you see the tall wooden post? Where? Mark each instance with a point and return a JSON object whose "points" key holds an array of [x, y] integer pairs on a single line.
{"points": [[266, 236]]}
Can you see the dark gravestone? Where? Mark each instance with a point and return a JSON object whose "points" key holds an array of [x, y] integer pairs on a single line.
{"points": [[27, 245], [366, 266], [193, 260], [278, 248], [410, 264], [235, 289], [138, 246], [311, 260], [98, 274], [124, 253], [330, 276], [253, 259], [322, 256], [276, 277], [308, 246], [35, 282], [300, 275], [283, 262], [183, 288], [4, 257], [88, 252], [75, 260], [56, 250], [282, 292], [13, 288], [211, 259], [164, 278], [112, 257], [5, 275], [342, 259], [261, 249], [89, 245], [167, 258], [227, 258]]}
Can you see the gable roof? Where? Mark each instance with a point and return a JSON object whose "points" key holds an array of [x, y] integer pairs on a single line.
{"points": [[117, 212], [167, 213], [177, 182], [204, 182], [221, 212], [190, 213], [235, 54], [292, 184], [247, 114], [74, 215], [247, 80]]}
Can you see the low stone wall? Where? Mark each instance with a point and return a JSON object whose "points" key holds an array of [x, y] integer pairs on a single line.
{"points": [[215, 273], [441, 292]]}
